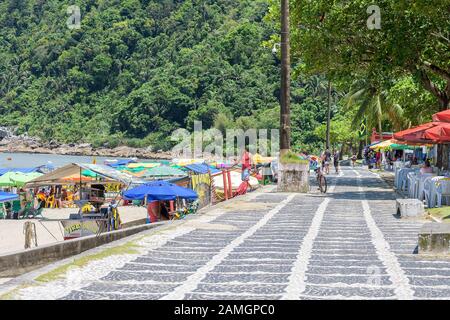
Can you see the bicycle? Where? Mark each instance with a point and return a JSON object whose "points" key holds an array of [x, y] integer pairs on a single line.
{"points": [[321, 180]]}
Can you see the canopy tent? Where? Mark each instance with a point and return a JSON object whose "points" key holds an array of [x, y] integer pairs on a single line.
{"points": [[143, 165], [6, 196], [201, 168], [160, 191], [164, 171], [117, 163], [22, 170], [185, 162], [104, 173], [17, 179]]}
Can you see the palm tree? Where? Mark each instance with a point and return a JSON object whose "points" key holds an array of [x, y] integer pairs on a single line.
{"points": [[320, 86], [373, 103]]}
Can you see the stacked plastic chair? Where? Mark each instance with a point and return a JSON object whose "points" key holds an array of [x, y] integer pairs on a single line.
{"points": [[442, 190]]}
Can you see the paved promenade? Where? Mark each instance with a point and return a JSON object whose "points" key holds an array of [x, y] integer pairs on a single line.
{"points": [[344, 245]]}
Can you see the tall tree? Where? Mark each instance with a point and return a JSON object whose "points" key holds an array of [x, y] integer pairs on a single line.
{"points": [[285, 143]]}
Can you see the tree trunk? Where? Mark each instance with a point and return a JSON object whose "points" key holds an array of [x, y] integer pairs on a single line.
{"points": [[285, 138], [380, 128], [360, 149], [442, 161], [328, 116], [341, 152]]}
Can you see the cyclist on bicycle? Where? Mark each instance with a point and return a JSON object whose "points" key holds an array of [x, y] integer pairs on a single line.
{"points": [[314, 164]]}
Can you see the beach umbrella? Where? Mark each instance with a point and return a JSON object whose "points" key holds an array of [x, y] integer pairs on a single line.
{"points": [[88, 173], [391, 144], [443, 116], [21, 179], [431, 132], [76, 178], [381, 145], [17, 179], [159, 191]]}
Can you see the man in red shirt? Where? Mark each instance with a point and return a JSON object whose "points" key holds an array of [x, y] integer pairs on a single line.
{"points": [[246, 164]]}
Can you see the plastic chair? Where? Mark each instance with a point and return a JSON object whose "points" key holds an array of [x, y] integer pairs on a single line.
{"points": [[403, 181], [420, 184], [442, 190], [50, 202], [398, 165], [16, 206], [429, 190], [412, 184]]}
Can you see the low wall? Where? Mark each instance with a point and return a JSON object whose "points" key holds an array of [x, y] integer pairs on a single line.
{"points": [[434, 238], [17, 263]]}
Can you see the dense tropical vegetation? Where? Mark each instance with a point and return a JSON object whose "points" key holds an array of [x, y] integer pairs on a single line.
{"points": [[138, 69]]}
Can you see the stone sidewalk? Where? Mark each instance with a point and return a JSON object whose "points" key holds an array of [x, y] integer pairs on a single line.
{"points": [[346, 244]]}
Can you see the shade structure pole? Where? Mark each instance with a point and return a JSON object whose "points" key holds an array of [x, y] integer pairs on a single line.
{"points": [[285, 109], [230, 186], [225, 189]]}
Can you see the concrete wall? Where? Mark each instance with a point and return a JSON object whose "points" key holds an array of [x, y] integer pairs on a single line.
{"points": [[434, 238], [16, 263]]}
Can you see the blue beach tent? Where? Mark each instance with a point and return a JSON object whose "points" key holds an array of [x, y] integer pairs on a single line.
{"points": [[6, 196], [159, 191], [21, 170]]}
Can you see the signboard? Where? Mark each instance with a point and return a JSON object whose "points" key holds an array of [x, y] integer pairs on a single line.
{"points": [[81, 228]]}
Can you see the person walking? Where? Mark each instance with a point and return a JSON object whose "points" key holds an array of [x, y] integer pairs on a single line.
{"points": [[326, 158], [246, 161], [336, 161], [354, 160]]}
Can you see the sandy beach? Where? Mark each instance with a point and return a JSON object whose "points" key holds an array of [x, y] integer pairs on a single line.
{"points": [[11, 231]]}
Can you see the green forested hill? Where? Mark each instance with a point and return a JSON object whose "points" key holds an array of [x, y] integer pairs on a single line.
{"points": [[138, 69]]}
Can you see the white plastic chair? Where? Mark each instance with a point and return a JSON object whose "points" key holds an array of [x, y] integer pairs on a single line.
{"points": [[442, 190], [412, 183], [420, 184], [429, 190], [403, 178], [397, 166]]}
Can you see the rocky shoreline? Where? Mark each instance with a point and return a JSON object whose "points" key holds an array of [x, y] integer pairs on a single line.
{"points": [[24, 144]]}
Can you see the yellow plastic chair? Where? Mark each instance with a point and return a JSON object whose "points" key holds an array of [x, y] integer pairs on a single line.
{"points": [[50, 202]]}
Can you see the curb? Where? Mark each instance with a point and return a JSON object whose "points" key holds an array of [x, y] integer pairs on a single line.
{"points": [[20, 262]]}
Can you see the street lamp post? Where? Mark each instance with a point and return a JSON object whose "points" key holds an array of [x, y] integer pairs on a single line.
{"points": [[285, 125]]}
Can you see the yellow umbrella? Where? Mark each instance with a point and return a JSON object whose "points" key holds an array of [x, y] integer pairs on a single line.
{"points": [[382, 145]]}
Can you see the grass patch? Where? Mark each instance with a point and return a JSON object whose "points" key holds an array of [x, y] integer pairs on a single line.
{"points": [[442, 213], [55, 274], [11, 295], [292, 158]]}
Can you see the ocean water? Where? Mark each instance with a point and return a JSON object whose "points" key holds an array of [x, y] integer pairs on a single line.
{"points": [[19, 160]]}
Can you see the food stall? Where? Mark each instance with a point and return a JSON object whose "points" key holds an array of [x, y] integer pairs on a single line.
{"points": [[96, 213]]}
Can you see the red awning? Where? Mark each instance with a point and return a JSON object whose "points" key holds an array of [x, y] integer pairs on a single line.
{"points": [[432, 132], [439, 133]]}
